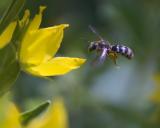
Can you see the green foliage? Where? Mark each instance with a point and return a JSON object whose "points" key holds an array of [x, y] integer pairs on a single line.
{"points": [[11, 13], [26, 117], [9, 68]]}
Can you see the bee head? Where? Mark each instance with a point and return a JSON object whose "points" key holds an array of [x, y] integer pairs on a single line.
{"points": [[92, 46]]}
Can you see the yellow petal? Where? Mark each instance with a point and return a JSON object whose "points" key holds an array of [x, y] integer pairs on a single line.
{"points": [[56, 66], [156, 79], [6, 35], [56, 117], [9, 115], [155, 97], [40, 45], [25, 19], [35, 23]]}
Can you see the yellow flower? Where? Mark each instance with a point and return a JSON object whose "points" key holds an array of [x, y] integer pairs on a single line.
{"points": [[9, 115], [56, 117], [38, 47], [6, 35], [155, 97]]}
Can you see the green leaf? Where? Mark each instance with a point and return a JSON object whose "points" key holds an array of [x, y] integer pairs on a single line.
{"points": [[11, 13], [9, 68], [26, 117]]}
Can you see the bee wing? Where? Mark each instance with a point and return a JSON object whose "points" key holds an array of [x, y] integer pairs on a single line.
{"points": [[101, 58], [96, 33]]}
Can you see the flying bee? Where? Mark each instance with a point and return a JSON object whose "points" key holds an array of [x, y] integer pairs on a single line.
{"points": [[105, 49]]}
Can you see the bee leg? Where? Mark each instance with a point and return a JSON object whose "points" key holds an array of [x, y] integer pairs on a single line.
{"points": [[113, 56], [114, 61]]}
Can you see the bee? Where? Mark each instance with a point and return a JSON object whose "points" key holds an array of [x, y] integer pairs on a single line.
{"points": [[105, 49]]}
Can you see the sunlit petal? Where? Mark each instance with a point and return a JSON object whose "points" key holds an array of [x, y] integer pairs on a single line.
{"points": [[35, 23], [40, 45], [9, 115], [6, 35], [56, 66], [155, 97], [25, 19]]}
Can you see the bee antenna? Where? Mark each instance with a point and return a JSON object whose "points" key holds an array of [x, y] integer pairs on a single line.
{"points": [[94, 31]]}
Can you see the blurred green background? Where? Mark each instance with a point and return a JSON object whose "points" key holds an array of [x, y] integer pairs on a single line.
{"points": [[103, 97]]}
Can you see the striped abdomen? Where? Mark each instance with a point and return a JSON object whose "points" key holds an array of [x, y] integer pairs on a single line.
{"points": [[125, 51]]}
